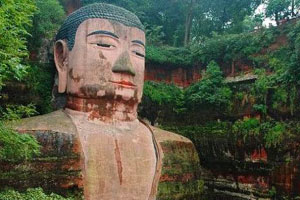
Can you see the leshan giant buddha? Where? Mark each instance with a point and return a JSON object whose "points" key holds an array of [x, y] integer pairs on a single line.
{"points": [[99, 54]]}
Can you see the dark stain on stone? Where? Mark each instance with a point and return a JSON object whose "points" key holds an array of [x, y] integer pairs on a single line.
{"points": [[76, 79], [98, 106], [90, 90], [119, 162], [101, 55]]}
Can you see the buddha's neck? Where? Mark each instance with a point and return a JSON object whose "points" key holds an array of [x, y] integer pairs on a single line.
{"points": [[104, 109]]}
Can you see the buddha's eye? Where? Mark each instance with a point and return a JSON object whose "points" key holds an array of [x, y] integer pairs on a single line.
{"points": [[104, 45], [138, 54]]}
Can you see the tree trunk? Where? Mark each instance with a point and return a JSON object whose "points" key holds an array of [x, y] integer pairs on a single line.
{"points": [[293, 8], [233, 68], [277, 18], [188, 23]]}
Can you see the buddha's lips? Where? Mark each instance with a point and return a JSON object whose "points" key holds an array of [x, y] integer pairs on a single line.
{"points": [[124, 83]]}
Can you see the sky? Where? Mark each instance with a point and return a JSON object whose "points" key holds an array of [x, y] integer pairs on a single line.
{"points": [[267, 21]]}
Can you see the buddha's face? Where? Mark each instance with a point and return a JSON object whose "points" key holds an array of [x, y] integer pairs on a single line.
{"points": [[107, 60]]}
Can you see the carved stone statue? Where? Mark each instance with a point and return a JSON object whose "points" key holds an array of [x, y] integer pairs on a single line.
{"points": [[100, 58]]}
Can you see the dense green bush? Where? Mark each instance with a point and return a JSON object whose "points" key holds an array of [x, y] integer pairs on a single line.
{"points": [[161, 101], [15, 146], [211, 91], [46, 22], [30, 194], [169, 56], [40, 80], [15, 112], [15, 19], [232, 47]]}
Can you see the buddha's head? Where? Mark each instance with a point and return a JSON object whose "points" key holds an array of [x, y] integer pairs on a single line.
{"points": [[100, 54]]}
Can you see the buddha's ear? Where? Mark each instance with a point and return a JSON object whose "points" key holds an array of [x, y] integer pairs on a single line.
{"points": [[61, 53]]}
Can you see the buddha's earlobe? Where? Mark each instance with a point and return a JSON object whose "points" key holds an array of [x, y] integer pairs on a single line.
{"points": [[61, 62]]}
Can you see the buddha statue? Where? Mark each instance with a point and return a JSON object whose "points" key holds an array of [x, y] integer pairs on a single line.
{"points": [[99, 55]]}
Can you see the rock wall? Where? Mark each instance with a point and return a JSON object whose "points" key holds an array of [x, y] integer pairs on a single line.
{"points": [[239, 171], [180, 177], [180, 76]]}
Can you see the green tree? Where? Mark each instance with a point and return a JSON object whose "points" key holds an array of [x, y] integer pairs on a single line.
{"points": [[278, 9], [211, 91], [46, 22], [222, 16], [15, 19]]}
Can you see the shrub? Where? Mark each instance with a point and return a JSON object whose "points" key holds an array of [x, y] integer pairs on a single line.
{"points": [[211, 90], [15, 18], [30, 194], [15, 146]]}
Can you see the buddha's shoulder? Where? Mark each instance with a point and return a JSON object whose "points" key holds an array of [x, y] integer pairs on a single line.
{"points": [[57, 121], [166, 136]]}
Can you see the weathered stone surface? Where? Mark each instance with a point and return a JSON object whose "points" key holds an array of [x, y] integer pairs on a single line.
{"points": [[60, 166], [180, 169], [182, 77], [237, 171]]}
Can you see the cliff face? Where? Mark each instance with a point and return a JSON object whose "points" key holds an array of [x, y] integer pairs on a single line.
{"points": [[243, 171], [180, 76]]}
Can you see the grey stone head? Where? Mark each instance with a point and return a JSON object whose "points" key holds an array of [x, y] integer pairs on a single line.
{"points": [[97, 10]]}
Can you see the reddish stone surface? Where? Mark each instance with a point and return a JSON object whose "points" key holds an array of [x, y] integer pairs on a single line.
{"points": [[259, 155], [256, 173], [180, 76]]}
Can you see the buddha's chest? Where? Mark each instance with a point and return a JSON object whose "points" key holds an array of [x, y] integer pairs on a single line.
{"points": [[118, 163]]}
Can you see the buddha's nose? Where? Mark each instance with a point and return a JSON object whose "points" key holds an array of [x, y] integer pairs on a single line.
{"points": [[124, 65]]}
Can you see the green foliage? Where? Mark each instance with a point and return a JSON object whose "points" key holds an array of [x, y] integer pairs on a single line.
{"points": [[169, 56], [15, 112], [15, 18], [231, 47], [279, 9], [15, 146], [260, 91], [178, 190], [211, 90], [161, 93], [161, 99], [30, 194], [222, 16], [46, 22], [40, 80], [272, 192], [154, 36], [248, 127], [274, 133]]}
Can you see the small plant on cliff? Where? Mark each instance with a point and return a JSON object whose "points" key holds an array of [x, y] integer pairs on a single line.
{"points": [[274, 133], [15, 146], [30, 194], [246, 128]]}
